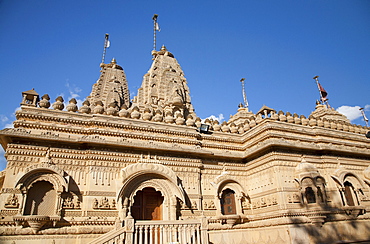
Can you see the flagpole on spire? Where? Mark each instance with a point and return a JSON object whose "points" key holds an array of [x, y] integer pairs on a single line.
{"points": [[323, 93], [246, 104], [364, 116], [155, 29], [106, 45]]}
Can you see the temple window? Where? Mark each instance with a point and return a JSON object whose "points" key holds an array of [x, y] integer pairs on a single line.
{"points": [[310, 195], [313, 190], [41, 199], [349, 193], [228, 202]]}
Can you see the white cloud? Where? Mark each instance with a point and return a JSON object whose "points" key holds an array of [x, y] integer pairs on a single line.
{"points": [[352, 112], [10, 125], [73, 91], [220, 118], [7, 121], [3, 118], [132, 95]]}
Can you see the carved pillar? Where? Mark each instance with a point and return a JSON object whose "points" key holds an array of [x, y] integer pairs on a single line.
{"points": [[130, 227], [239, 209], [303, 199], [59, 204], [23, 202], [343, 196], [24, 100], [125, 208], [34, 100], [204, 230], [173, 205], [357, 193], [314, 188], [218, 206]]}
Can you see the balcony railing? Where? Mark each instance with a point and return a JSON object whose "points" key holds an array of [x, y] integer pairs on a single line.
{"points": [[158, 232]]}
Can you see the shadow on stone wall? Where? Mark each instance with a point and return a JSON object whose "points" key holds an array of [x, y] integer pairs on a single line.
{"points": [[347, 229]]}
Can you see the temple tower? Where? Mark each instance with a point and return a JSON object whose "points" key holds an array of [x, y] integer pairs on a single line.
{"points": [[111, 87], [164, 87]]}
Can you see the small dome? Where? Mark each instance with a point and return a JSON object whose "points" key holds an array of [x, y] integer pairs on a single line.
{"points": [[305, 169]]}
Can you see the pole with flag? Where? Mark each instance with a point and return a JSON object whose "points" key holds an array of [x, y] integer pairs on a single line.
{"points": [[106, 45], [246, 104], [155, 29], [323, 93], [364, 116]]}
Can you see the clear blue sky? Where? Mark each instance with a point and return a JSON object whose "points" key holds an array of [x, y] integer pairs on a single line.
{"points": [[278, 46]]}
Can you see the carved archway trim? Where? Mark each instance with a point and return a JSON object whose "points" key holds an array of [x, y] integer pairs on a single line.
{"points": [[226, 182], [45, 172], [340, 175], [153, 183], [314, 179], [137, 174]]}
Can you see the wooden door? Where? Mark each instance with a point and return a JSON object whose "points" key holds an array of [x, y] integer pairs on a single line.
{"points": [[147, 205]]}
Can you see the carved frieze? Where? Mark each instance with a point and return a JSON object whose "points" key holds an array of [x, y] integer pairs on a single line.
{"points": [[104, 203], [12, 201]]}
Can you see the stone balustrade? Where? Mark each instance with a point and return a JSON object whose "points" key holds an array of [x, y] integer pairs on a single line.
{"points": [[160, 115], [157, 232]]}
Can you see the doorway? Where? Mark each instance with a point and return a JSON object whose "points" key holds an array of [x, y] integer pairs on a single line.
{"points": [[147, 205]]}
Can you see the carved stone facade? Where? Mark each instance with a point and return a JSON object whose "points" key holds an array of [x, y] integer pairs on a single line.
{"points": [[113, 170]]}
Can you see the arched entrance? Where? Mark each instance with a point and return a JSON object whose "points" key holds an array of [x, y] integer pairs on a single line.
{"points": [[147, 205], [161, 179]]}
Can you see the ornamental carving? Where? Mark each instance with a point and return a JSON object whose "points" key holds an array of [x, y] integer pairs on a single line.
{"points": [[104, 203], [71, 202], [12, 201]]}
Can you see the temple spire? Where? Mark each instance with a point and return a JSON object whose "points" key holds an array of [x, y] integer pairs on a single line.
{"points": [[111, 89], [164, 87]]}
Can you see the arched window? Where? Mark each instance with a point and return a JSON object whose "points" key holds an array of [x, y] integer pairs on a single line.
{"points": [[349, 193], [228, 202], [41, 199], [313, 190], [310, 195]]}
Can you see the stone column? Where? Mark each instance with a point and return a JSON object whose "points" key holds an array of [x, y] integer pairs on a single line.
{"points": [[238, 205], [356, 193], [343, 196], [22, 203], [59, 204], [204, 230], [218, 206], [173, 205], [130, 229], [125, 208]]}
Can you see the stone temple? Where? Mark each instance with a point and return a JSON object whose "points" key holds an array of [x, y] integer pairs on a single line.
{"points": [[148, 170]]}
